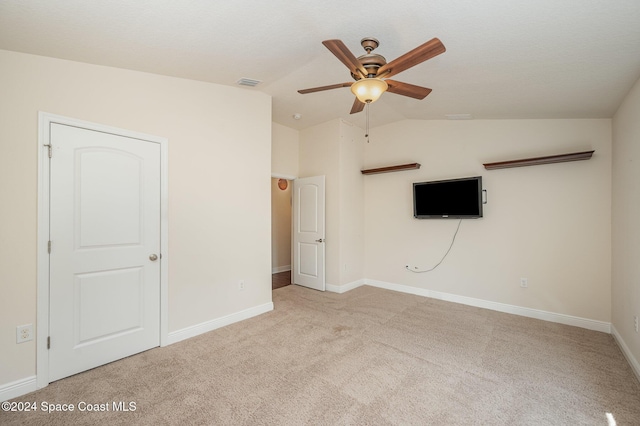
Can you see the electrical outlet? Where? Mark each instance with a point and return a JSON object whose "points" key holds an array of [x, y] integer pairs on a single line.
{"points": [[24, 333], [635, 322], [241, 285], [524, 282]]}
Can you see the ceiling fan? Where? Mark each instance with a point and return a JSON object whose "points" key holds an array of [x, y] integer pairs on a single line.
{"points": [[369, 70]]}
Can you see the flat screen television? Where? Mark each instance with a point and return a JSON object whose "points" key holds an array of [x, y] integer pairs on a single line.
{"points": [[448, 199]]}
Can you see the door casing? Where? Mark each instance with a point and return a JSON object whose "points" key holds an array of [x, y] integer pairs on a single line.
{"points": [[42, 315]]}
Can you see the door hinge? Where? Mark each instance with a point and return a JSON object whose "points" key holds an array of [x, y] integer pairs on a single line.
{"points": [[50, 149], [49, 247], [49, 342]]}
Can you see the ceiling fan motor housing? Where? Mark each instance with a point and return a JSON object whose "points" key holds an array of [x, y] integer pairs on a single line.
{"points": [[371, 62]]}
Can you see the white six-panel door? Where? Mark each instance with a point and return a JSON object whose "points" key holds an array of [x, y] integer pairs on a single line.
{"points": [[309, 232], [105, 255]]}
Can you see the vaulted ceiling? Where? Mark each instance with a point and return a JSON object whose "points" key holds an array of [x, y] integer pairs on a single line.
{"points": [[504, 59]]}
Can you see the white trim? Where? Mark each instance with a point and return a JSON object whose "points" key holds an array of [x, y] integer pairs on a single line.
{"points": [[281, 176], [346, 287], [164, 241], [633, 362], [42, 319], [195, 330], [278, 269], [589, 324], [18, 388], [42, 257]]}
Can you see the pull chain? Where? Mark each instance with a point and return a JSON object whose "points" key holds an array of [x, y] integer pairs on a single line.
{"points": [[366, 135]]}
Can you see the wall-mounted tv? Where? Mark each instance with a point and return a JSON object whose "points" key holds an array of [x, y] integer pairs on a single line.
{"points": [[448, 199]]}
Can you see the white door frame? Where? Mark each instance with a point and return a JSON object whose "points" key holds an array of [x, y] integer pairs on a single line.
{"points": [[42, 315]]}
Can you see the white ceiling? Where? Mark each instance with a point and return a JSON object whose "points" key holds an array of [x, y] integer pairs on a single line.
{"points": [[504, 58]]}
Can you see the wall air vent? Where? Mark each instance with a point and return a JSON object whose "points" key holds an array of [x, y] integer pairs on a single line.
{"points": [[248, 82]]}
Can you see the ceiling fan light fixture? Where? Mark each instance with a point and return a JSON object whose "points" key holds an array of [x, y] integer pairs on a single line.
{"points": [[368, 90]]}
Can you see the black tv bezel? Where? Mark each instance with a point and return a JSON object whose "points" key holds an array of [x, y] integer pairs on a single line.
{"points": [[477, 179]]}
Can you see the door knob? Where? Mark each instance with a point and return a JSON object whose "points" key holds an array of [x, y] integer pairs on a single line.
{"points": [[320, 240], [153, 257]]}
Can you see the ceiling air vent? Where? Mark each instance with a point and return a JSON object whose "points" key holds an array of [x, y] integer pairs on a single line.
{"points": [[248, 82]]}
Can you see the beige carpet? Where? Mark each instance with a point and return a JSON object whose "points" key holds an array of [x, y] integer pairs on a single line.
{"points": [[366, 357]]}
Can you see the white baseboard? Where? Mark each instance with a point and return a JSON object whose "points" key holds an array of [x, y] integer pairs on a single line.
{"points": [[633, 362], [195, 330], [589, 324], [277, 269], [18, 388], [344, 288]]}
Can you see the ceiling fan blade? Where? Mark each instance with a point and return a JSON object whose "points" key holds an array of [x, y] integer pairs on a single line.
{"points": [[406, 89], [342, 52], [320, 89], [428, 50], [357, 106]]}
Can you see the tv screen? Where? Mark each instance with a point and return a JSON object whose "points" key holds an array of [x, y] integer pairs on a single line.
{"points": [[448, 199]]}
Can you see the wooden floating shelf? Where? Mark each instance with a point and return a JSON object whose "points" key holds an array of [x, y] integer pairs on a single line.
{"points": [[401, 167], [562, 158]]}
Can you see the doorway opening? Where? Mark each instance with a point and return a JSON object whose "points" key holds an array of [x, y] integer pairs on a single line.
{"points": [[281, 225]]}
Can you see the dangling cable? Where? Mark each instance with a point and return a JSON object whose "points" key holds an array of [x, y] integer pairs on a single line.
{"points": [[417, 271]]}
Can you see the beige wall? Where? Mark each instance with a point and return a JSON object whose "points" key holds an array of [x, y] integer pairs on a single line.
{"points": [[550, 224], [280, 227], [626, 221], [319, 155], [219, 167], [351, 225], [284, 151], [335, 150]]}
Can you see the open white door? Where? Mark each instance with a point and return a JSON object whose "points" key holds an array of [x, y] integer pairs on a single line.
{"points": [[308, 232]]}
